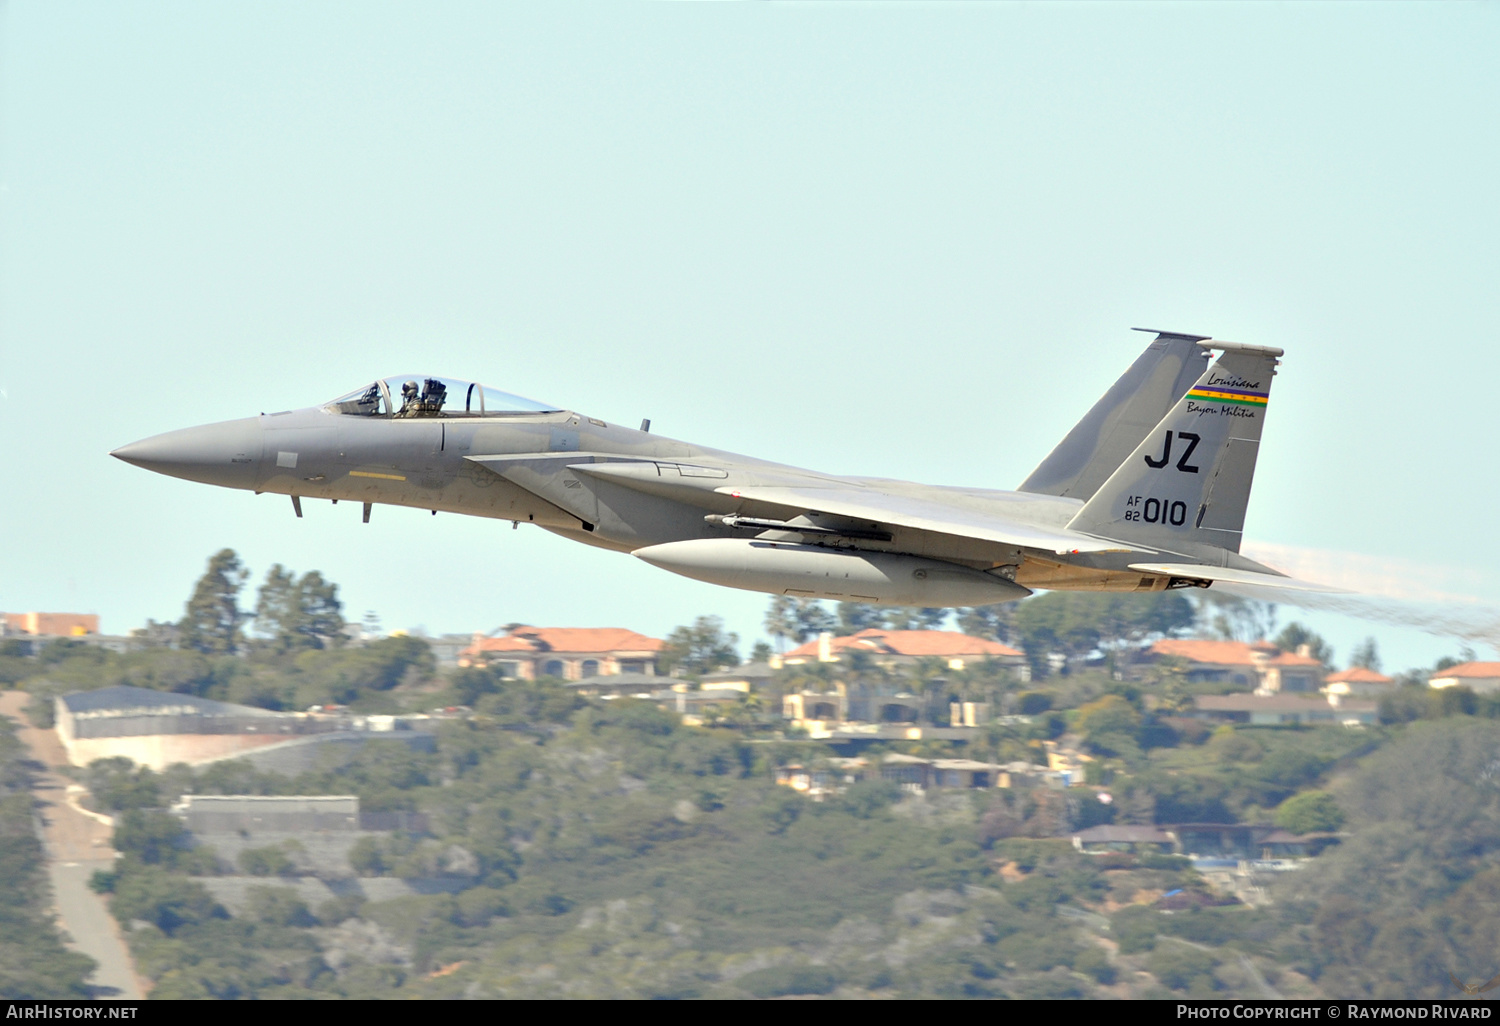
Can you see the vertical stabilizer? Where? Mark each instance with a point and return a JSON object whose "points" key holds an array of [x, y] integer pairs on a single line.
{"points": [[1099, 442], [1188, 481]]}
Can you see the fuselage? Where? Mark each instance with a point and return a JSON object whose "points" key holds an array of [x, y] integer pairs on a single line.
{"points": [[516, 468]]}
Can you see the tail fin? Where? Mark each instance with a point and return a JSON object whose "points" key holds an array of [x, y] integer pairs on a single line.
{"points": [[1099, 442], [1188, 481]]}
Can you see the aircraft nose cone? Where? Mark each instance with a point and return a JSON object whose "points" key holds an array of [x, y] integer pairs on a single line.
{"points": [[225, 454]]}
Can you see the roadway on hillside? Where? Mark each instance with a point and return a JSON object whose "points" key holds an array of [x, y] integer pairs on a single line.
{"points": [[76, 844]]}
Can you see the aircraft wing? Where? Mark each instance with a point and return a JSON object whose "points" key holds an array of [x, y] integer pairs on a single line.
{"points": [[926, 514], [1231, 576]]}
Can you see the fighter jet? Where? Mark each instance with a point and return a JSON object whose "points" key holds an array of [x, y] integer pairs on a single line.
{"points": [[1147, 492]]}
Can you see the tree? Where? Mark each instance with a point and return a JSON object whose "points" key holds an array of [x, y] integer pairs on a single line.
{"points": [[298, 613], [1310, 812], [813, 619], [781, 621], [1109, 725], [858, 616], [1366, 654], [910, 618], [796, 620], [702, 648], [1294, 635], [211, 621], [1076, 622], [994, 623], [117, 784], [1231, 618]]}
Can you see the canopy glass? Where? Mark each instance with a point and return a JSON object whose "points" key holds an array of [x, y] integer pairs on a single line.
{"points": [[418, 395]]}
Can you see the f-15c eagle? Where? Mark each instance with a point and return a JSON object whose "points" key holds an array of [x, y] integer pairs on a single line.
{"points": [[1147, 492]]}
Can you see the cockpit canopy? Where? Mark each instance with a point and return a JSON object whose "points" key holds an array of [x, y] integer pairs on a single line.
{"points": [[417, 395]]}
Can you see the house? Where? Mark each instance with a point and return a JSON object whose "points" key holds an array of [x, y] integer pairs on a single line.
{"points": [[567, 653], [51, 625], [744, 679], [1257, 665], [1277, 710], [1294, 673], [859, 704], [968, 714], [159, 728], [694, 706], [30, 632], [1067, 761], [1357, 682], [904, 648], [916, 774], [221, 813], [623, 685], [821, 780], [1483, 678], [1204, 840], [1136, 839]]}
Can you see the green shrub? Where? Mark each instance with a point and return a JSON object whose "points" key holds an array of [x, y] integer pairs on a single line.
{"points": [[1159, 860], [783, 980], [41, 712], [1092, 961], [278, 906], [165, 901], [478, 905], [1135, 928], [869, 797], [368, 858], [1310, 812], [1034, 703], [1179, 966], [1038, 952], [335, 910], [154, 838], [271, 861]]}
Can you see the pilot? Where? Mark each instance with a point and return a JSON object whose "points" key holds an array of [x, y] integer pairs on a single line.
{"points": [[410, 395]]}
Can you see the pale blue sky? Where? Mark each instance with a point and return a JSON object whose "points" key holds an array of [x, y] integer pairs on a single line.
{"points": [[896, 240]]}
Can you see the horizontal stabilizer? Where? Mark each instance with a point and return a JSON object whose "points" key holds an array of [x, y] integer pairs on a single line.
{"points": [[926, 515], [1198, 572]]}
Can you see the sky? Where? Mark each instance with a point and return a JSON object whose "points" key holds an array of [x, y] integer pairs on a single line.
{"points": [[898, 240]]}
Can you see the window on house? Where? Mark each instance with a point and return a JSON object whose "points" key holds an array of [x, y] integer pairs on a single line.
{"points": [[552, 668], [590, 668]]}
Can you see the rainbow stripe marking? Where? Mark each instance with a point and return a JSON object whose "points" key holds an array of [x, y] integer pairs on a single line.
{"points": [[1237, 396]]}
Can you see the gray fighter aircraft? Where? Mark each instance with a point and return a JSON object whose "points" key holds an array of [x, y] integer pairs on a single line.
{"points": [[1147, 492]]}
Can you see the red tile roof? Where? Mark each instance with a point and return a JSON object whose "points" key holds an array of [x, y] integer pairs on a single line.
{"points": [[1469, 670], [505, 644], [1293, 659], [589, 639], [1221, 653], [943, 644], [568, 639], [1357, 675]]}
